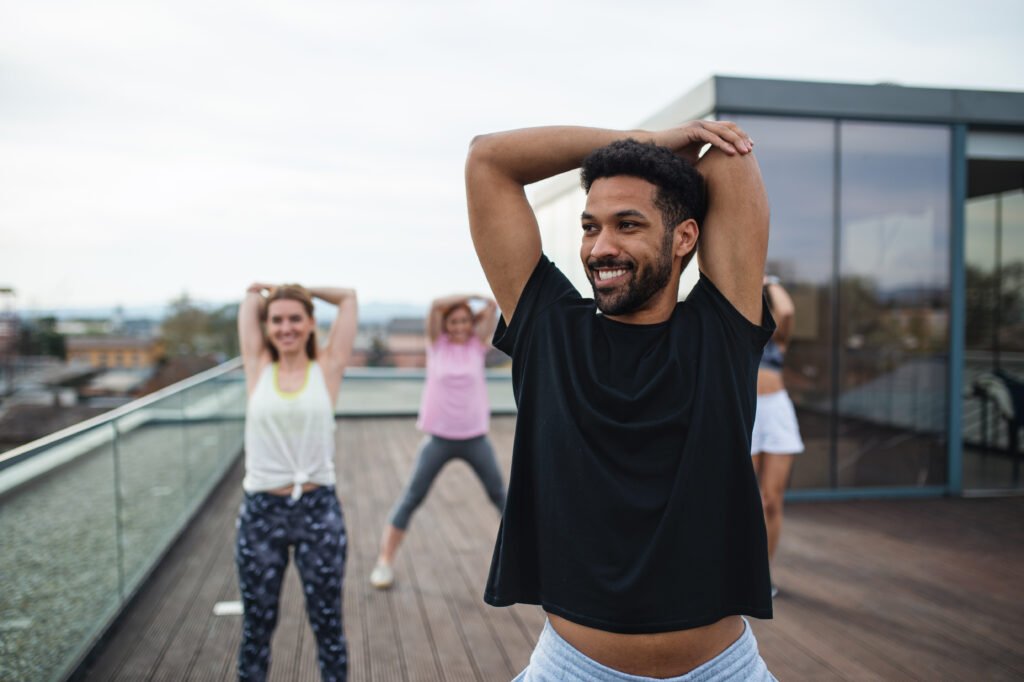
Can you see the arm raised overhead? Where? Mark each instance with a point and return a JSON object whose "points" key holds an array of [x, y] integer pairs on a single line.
{"points": [[336, 354], [734, 236], [500, 165]]}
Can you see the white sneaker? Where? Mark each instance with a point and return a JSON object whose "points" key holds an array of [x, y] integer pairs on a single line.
{"points": [[382, 577]]}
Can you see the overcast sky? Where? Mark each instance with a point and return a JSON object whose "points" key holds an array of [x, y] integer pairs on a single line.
{"points": [[153, 148]]}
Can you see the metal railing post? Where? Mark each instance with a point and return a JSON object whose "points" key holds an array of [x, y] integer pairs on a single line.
{"points": [[118, 511]]}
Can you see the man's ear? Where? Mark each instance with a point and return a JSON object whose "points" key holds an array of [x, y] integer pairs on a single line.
{"points": [[685, 238]]}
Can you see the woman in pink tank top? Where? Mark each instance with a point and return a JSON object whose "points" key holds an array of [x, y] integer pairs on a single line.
{"points": [[454, 415]]}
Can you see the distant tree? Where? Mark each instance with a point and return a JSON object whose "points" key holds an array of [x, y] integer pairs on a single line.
{"points": [[184, 326], [190, 330], [223, 329], [40, 337], [378, 355]]}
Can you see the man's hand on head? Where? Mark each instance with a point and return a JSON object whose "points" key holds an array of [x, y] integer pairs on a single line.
{"points": [[688, 139]]}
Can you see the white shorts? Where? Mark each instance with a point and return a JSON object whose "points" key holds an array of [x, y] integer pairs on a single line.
{"points": [[775, 428]]}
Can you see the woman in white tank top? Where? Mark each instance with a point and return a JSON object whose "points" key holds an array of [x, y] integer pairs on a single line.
{"points": [[289, 468]]}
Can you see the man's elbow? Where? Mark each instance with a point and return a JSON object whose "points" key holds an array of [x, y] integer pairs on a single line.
{"points": [[481, 150], [716, 162]]}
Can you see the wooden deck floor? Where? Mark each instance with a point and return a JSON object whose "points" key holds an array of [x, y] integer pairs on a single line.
{"points": [[870, 590]]}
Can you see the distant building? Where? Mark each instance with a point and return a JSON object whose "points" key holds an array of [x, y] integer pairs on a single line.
{"points": [[25, 422], [86, 327], [400, 342], [8, 324], [8, 332], [124, 352], [406, 339]]}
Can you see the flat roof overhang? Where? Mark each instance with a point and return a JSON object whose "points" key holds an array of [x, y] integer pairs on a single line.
{"points": [[885, 101], [989, 109]]}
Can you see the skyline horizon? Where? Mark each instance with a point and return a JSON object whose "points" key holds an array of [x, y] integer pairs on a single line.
{"points": [[378, 310]]}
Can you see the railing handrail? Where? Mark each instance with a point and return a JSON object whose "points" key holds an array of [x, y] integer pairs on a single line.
{"points": [[353, 373], [22, 451], [406, 373]]}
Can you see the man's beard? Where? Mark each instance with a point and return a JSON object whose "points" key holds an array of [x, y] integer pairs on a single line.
{"points": [[642, 286]]}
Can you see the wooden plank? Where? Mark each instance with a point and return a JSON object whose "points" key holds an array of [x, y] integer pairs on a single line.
{"points": [[194, 622], [888, 601], [483, 649], [215, 658], [414, 641], [491, 632], [799, 663], [427, 548], [350, 454], [382, 647]]}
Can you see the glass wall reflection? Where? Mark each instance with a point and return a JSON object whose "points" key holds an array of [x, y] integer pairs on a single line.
{"points": [[893, 330], [868, 365], [993, 390], [797, 158]]}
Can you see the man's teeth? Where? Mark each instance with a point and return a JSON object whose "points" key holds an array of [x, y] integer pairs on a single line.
{"points": [[609, 274]]}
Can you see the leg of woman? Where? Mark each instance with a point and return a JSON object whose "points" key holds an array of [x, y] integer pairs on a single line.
{"points": [[320, 551], [389, 543], [433, 455], [261, 555], [479, 454], [773, 477]]}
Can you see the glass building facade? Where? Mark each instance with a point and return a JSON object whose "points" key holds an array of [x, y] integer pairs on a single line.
{"points": [[860, 236], [898, 229]]}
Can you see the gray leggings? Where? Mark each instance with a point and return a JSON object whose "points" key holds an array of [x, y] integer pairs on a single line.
{"points": [[434, 453]]}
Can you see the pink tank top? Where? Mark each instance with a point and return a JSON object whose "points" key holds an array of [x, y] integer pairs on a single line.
{"points": [[454, 403]]}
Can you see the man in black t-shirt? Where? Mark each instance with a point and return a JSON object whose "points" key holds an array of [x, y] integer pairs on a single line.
{"points": [[633, 516]]}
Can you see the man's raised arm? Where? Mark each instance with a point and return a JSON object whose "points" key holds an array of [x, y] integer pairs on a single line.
{"points": [[734, 237], [500, 165], [503, 225]]}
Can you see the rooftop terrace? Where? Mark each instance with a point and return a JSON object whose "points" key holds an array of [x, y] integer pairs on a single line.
{"points": [[914, 589]]}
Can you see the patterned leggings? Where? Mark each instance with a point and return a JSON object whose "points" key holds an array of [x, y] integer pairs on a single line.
{"points": [[267, 525]]}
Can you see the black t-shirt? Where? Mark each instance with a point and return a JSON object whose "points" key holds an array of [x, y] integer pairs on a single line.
{"points": [[632, 504]]}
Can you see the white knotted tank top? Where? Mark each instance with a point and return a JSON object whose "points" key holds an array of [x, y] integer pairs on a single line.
{"points": [[289, 437]]}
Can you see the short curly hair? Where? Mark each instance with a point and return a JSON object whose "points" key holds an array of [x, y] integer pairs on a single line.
{"points": [[680, 193]]}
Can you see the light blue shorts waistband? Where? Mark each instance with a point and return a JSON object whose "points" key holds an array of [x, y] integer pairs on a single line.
{"points": [[555, 660]]}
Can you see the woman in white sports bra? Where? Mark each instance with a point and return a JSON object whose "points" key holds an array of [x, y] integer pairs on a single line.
{"points": [[290, 499]]}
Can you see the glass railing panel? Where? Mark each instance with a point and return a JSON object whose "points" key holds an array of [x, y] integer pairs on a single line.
{"points": [[211, 429], [86, 513], [153, 476], [232, 398], [59, 556]]}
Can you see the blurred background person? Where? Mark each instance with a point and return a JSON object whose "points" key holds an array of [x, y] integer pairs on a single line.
{"points": [[776, 435], [454, 414]]}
